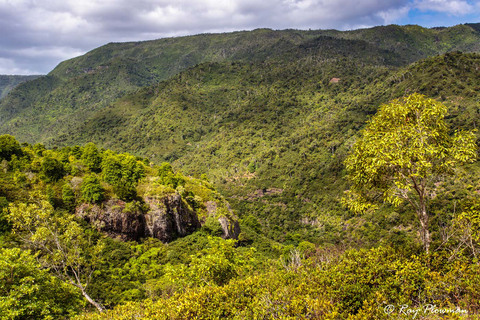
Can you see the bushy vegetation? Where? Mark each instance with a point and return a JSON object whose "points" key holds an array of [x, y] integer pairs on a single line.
{"points": [[274, 136], [40, 192], [356, 284], [203, 276]]}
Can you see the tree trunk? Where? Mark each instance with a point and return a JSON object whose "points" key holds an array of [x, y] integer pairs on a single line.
{"points": [[425, 234], [96, 304]]}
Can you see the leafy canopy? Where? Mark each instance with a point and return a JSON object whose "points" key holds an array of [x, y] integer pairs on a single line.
{"points": [[406, 145], [30, 292], [63, 246], [401, 155]]}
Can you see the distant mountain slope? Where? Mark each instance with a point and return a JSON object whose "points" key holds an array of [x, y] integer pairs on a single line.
{"points": [[9, 82], [414, 42], [274, 135], [55, 104]]}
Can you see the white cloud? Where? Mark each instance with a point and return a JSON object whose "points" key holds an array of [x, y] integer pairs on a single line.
{"points": [[54, 52], [455, 7], [7, 66], [394, 15]]}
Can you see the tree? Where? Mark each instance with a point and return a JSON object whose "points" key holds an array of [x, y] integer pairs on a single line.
{"points": [[215, 265], [168, 177], [91, 157], [123, 172], [9, 146], [403, 151], [51, 168], [30, 292], [62, 244], [92, 190], [68, 197]]}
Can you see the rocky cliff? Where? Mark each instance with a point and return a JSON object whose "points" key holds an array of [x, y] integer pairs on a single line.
{"points": [[165, 218]]}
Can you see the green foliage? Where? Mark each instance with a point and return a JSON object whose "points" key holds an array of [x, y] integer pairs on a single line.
{"points": [[51, 168], [269, 100], [9, 82], [215, 265], [253, 223], [164, 170], [80, 87], [356, 284], [216, 124], [92, 190], [9, 147], [271, 131], [5, 226], [68, 197], [212, 226], [30, 292], [168, 177], [403, 152], [91, 157], [62, 244], [467, 227], [123, 172]]}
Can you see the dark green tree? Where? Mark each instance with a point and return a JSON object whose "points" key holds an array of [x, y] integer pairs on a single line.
{"points": [[91, 157], [168, 177], [68, 197], [92, 190], [9, 146], [123, 172], [51, 168]]}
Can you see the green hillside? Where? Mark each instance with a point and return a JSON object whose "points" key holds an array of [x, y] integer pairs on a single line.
{"points": [[8, 83], [282, 127], [77, 88]]}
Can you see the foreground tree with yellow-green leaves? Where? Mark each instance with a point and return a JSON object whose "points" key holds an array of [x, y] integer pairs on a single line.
{"points": [[403, 152], [62, 244]]}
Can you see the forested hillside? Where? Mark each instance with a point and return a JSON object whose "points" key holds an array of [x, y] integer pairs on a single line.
{"points": [[249, 175], [8, 83], [274, 136], [73, 91]]}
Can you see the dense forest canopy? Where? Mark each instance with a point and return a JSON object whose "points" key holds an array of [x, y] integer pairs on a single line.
{"points": [[214, 176]]}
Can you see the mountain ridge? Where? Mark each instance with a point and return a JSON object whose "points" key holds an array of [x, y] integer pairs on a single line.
{"points": [[78, 87]]}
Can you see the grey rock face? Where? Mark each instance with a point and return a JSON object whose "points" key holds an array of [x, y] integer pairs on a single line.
{"points": [[230, 227], [167, 218], [112, 218]]}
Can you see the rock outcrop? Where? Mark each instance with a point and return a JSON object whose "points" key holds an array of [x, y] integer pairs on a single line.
{"points": [[165, 218], [112, 217], [230, 225], [169, 218]]}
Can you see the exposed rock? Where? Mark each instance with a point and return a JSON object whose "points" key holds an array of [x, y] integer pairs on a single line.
{"points": [[169, 218], [164, 218], [112, 218], [231, 228], [230, 225]]}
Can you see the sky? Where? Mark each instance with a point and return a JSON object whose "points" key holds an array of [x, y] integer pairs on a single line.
{"points": [[36, 35]]}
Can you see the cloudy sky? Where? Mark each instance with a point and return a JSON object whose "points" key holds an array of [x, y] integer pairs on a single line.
{"points": [[35, 35]]}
